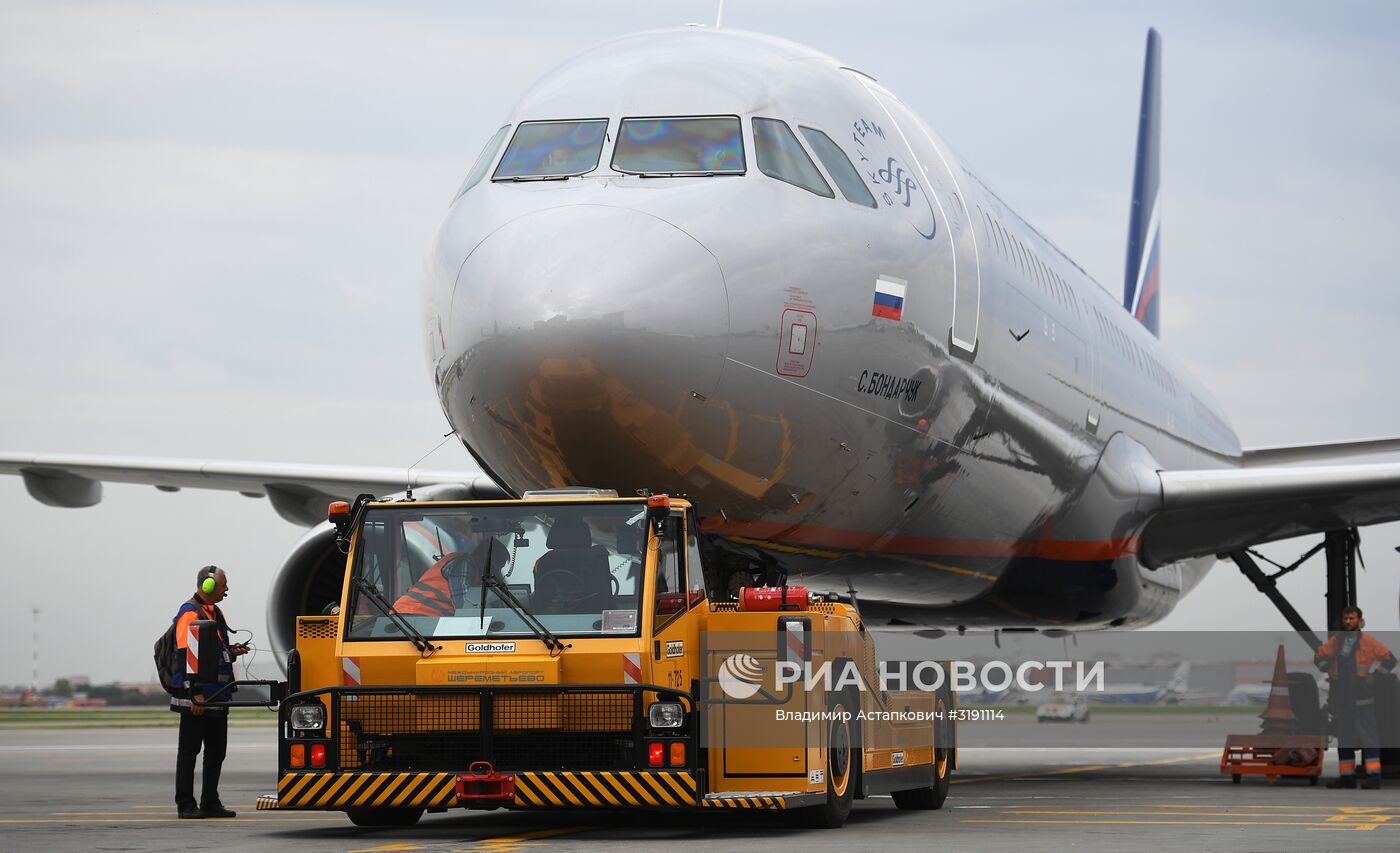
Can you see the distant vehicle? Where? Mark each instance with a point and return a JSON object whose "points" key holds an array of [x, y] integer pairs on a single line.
{"points": [[1064, 708], [1147, 694]]}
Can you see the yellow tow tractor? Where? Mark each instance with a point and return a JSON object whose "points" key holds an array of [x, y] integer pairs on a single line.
{"points": [[572, 649]]}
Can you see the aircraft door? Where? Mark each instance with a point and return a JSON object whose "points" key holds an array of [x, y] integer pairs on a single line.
{"points": [[945, 199], [1095, 412]]}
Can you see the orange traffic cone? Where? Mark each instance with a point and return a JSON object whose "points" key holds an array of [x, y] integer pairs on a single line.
{"points": [[1278, 716]]}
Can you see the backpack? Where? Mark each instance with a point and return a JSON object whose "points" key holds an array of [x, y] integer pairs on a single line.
{"points": [[165, 650]]}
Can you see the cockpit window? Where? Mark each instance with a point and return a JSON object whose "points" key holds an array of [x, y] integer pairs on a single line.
{"points": [[552, 149], [839, 167], [483, 161], [710, 145], [780, 156]]}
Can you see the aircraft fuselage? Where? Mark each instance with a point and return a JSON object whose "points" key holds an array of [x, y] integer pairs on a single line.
{"points": [[923, 400]]}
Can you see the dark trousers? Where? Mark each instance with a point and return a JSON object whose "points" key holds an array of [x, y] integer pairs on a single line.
{"points": [[210, 731], [1356, 727]]}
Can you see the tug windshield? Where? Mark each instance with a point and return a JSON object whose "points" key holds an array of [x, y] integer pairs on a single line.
{"points": [[577, 568]]}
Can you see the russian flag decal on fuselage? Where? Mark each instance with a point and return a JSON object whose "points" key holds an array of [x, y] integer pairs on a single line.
{"points": [[889, 298]]}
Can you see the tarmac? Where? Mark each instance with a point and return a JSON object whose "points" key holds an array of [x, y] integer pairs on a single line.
{"points": [[111, 789]]}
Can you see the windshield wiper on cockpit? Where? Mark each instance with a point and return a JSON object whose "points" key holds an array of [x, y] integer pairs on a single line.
{"points": [[516, 179], [683, 174], [502, 589], [419, 641]]}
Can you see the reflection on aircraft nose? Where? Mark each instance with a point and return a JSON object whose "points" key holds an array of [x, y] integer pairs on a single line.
{"points": [[581, 325]]}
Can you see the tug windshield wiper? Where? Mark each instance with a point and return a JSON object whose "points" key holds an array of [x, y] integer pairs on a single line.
{"points": [[502, 589], [419, 641]]}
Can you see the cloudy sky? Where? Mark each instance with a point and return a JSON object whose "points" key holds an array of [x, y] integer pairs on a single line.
{"points": [[213, 217]]}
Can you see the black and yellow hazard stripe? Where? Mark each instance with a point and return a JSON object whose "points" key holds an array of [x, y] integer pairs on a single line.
{"points": [[608, 790], [743, 802], [364, 790]]}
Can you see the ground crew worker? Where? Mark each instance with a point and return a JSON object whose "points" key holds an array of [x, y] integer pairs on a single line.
{"points": [[1351, 659], [442, 589], [201, 726]]}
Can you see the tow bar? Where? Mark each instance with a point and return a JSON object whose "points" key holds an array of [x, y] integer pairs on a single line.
{"points": [[481, 787]]}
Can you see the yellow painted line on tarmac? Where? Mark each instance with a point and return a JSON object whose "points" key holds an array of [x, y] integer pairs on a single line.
{"points": [[1314, 824], [1158, 813], [519, 841], [1089, 768], [1348, 809], [207, 823], [248, 806]]}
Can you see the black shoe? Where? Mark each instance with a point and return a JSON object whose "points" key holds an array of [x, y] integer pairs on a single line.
{"points": [[1343, 782], [1371, 783], [191, 813], [217, 810]]}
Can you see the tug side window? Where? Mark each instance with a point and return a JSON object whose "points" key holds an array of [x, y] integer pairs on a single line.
{"points": [[670, 597]]}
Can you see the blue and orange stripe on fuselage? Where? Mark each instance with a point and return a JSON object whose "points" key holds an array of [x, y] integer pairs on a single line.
{"points": [[1042, 581], [1146, 313]]}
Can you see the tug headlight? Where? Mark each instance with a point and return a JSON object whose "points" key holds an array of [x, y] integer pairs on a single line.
{"points": [[308, 717], [666, 715]]}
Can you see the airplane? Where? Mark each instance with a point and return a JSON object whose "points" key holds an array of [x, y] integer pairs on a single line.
{"points": [[980, 695], [1248, 694], [722, 264], [1145, 694]]}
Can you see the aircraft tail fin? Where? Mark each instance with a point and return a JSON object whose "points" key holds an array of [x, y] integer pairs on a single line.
{"points": [[1142, 295], [1179, 678]]}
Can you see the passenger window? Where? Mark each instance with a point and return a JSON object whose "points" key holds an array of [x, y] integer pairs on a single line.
{"points": [[552, 149], [839, 167], [680, 146], [780, 156], [483, 162]]}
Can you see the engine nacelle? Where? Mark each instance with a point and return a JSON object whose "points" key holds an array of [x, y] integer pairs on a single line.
{"points": [[310, 578]]}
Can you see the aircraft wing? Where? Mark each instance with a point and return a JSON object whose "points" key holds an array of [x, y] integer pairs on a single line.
{"points": [[1315, 453], [299, 493], [1216, 511]]}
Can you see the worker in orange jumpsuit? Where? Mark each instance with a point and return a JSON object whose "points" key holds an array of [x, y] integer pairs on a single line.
{"points": [[439, 591], [1351, 660]]}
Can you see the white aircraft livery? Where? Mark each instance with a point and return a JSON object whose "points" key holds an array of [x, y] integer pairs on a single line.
{"points": [[721, 264]]}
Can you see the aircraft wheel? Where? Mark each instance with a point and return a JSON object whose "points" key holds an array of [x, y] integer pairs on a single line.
{"points": [[842, 768], [934, 795]]}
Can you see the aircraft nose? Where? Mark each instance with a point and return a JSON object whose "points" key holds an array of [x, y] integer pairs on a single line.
{"points": [[579, 331]]}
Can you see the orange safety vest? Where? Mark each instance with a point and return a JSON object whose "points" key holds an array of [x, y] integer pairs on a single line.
{"points": [[1369, 652], [431, 595]]}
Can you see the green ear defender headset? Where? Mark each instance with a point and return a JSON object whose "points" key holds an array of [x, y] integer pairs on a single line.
{"points": [[209, 584]]}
